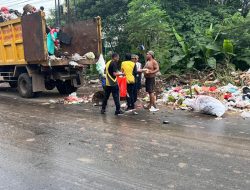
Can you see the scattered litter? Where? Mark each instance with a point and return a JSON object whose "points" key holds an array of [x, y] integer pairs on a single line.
{"points": [[73, 99], [135, 113], [94, 81], [245, 115], [166, 122], [124, 105], [30, 140], [182, 165], [52, 101]]}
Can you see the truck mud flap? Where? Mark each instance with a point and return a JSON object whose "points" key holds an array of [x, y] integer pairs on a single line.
{"points": [[78, 81], [38, 83]]}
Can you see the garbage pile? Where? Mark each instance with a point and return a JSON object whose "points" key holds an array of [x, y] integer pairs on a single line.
{"points": [[211, 98], [242, 78], [75, 60], [8, 14]]}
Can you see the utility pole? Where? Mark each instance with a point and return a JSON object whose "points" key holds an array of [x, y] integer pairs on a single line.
{"points": [[75, 11], [68, 10], [59, 13], [56, 18]]}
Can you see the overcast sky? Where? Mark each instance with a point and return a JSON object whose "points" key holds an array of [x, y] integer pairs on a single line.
{"points": [[18, 4]]}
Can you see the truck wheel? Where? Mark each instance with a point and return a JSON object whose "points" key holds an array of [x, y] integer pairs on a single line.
{"points": [[25, 86], [13, 84], [50, 85], [65, 88]]}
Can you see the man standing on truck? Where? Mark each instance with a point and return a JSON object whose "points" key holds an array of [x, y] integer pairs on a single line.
{"points": [[152, 68], [111, 84], [52, 40]]}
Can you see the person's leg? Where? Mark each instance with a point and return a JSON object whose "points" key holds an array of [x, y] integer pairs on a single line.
{"points": [[116, 97], [151, 88], [152, 99], [106, 97], [129, 95], [147, 85], [136, 89], [133, 92]]}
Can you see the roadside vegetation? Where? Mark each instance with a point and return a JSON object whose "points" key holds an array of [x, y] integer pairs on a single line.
{"points": [[188, 36]]}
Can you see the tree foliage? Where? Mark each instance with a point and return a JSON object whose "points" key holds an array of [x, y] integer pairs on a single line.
{"points": [[185, 34]]}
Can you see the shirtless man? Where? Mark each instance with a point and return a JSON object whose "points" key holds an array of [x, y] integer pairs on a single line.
{"points": [[151, 67]]}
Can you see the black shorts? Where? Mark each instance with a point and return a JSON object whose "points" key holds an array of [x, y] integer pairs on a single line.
{"points": [[150, 85]]}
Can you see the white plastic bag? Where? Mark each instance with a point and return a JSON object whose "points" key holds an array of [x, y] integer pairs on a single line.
{"points": [[207, 105], [100, 65], [76, 57], [90, 55]]}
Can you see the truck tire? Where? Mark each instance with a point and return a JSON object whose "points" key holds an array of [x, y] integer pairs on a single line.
{"points": [[50, 85], [13, 84], [65, 88], [25, 86]]}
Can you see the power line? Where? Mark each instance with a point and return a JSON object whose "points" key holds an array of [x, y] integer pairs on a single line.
{"points": [[15, 1], [27, 1]]}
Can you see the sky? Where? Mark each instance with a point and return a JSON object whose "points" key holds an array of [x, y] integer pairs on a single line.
{"points": [[18, 4]]}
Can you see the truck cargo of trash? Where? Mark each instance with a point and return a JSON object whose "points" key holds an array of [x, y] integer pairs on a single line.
{"points": [[206, 105], [8, 14]]}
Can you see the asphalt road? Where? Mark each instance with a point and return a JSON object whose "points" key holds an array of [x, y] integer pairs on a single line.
{"points": [[53, 146]]}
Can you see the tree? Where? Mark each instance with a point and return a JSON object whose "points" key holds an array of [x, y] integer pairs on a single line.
{"points": [[147, 25]]}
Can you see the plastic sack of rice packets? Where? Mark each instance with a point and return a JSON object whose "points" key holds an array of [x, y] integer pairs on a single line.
{"points": [[207, 105]]}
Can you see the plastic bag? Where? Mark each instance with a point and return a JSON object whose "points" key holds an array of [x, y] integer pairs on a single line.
{"points": [[100, 65], [122, 83], [90, 55], [207, 105]]}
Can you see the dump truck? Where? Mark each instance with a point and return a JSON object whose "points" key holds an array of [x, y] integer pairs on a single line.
{"points": [[24, 60]]}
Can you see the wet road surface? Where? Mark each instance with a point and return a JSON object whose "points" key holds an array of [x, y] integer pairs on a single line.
{"points": [[52, 146]]}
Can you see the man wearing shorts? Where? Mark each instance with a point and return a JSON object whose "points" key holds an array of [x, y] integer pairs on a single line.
{"points": [[152, 67]]}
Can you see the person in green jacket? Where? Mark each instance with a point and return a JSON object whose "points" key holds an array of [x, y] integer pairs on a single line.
{"points": [[51, 40]]}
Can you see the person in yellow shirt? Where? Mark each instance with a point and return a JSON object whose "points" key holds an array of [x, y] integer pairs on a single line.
{"points": [[128, 67], [111, 84]]}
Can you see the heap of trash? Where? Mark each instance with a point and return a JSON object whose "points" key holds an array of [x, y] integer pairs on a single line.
{"points": [[211, 98], [75, 60], [8, 14]]}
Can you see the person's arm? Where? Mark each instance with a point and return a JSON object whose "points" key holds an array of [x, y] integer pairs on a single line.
{"points": [[135, 72], [115, 71]]}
